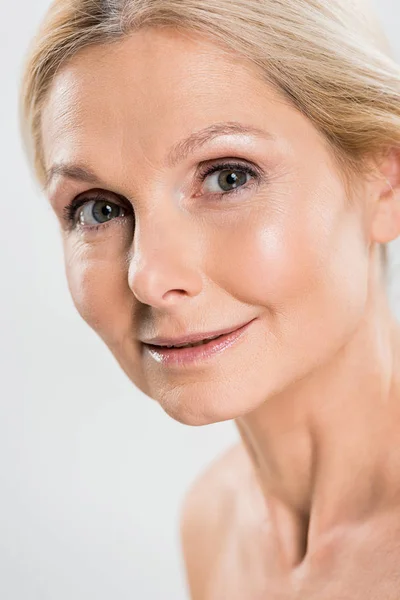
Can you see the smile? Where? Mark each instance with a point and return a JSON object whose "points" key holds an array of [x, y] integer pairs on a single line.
{"points": [[196, 352]]}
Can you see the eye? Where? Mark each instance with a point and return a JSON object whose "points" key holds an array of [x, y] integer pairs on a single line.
{"points": [[97, 212], [227, 178], [93, 212]]}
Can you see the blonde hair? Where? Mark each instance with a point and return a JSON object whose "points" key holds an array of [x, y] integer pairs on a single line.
{"points": [[329, 58]]}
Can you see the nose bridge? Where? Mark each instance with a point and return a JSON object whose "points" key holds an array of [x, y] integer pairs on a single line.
{"points": [[164, 257], [166, 227]]}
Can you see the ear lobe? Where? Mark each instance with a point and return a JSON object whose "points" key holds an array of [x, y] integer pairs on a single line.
{"points": [[386, 221], [386, 218]]}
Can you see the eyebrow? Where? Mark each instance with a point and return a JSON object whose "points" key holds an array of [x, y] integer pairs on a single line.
{"points": [[176, 154]]}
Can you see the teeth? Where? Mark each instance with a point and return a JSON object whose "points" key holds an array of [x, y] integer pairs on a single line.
{"points": [[195, 344]]}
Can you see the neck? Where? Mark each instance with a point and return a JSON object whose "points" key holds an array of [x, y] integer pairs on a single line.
{"points": [[325, 450]]}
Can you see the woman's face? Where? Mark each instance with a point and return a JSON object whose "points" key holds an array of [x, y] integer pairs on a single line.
{"points": [[159, 245]]}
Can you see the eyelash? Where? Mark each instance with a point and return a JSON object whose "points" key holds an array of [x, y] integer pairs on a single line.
{"points": [[71, 209]]}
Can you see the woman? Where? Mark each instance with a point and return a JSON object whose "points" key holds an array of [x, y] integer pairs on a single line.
{"points": [[230, 169]]}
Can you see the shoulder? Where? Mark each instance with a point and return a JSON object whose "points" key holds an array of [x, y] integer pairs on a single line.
{"points": [[208, 515]]}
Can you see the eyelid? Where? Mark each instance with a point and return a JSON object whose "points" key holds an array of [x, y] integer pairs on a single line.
{"points": [[228, 164]]}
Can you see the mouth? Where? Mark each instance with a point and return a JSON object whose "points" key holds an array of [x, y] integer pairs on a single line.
{"points": [[195, 352], [190, 345]]}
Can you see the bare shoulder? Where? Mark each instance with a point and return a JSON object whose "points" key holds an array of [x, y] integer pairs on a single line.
{"points": [[208, 515]]}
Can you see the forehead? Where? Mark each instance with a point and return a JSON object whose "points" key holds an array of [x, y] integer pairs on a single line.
{"points": [[134, 98]]}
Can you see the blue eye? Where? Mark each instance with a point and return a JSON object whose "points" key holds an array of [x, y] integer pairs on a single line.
{"points": [[97, 212], [228, 178], [93, 211]]}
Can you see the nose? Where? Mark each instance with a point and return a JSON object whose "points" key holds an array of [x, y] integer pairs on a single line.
{"points": [[164, 268]]}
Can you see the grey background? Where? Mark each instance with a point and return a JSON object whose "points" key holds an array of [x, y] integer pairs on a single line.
{"points": [[92, 472]]}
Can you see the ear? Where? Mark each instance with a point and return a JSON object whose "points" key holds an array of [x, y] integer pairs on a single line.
{"points": [[385, 189]]}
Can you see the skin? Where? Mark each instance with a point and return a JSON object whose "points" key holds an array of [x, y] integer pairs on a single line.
{"points": [[306, 505]]}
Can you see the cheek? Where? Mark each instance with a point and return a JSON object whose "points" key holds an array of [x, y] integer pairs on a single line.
{"points": [[267, 261], [307, 264], [97, 282], [102, 297]]}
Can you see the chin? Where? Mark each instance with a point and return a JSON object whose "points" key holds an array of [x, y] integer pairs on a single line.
{"points": [[223, 391], [207, 403]]}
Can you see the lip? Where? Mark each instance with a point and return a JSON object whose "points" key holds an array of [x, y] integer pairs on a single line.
{"points": [[196, 354], [190, 338]]}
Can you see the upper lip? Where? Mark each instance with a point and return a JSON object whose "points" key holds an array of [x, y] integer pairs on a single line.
{"points": [[190, 338]]}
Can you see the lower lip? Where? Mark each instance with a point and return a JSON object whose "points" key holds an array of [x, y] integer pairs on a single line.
{"points": [[194, 354]]}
